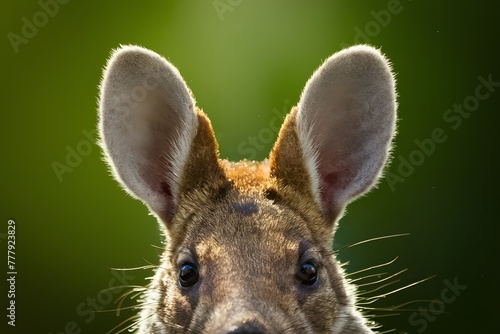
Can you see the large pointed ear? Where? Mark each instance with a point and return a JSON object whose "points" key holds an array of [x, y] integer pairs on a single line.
{"points": [[148, 123], [343, 125]]}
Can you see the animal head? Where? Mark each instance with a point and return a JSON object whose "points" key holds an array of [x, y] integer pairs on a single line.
{"points": [[248, 244]]}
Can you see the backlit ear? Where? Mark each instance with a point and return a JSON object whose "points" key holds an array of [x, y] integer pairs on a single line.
{"points": [[344, 125], [147, 124]]}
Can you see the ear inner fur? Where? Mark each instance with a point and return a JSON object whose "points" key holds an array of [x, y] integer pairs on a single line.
{"points": [[291, 178], [202, 165], [146, 123], [345, 122], [202, 175], [286, 161]]}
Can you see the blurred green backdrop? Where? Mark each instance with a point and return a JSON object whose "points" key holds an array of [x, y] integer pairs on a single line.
{"points": [[246, 62]]}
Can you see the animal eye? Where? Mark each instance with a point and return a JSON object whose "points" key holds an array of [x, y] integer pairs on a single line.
{"points": [[188, 275], [308, 273]]}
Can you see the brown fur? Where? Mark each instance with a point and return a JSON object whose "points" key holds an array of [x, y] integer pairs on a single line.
{"points": [[246, 228], [256, 236]]}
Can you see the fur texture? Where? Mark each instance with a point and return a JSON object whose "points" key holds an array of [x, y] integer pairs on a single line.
{"points": [[257, 236], [346, 120], [147, 123]]}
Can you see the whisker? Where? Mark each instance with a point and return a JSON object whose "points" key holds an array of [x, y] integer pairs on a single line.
{"points": [[398, 307], [385, 315], [122, 323], [121, 287], [372, 239], [365, 277], [373, 267], [383, 279], [128, 293], [149, 266], [366, 302], [378, 288], [399, 289], [118, 309]]}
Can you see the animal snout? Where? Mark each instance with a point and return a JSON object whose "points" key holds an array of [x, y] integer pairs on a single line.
{"points": [[249, 328]]}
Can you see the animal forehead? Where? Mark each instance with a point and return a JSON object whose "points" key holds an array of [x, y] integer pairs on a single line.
{"points": [[247, 208], [245, 248], [248, 226]]}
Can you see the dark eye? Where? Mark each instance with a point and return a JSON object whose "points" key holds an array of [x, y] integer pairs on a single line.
{"points": [[308, 273], [188, 275]]}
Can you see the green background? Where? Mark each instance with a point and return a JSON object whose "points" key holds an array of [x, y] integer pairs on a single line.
{"points": [[244, 66]]}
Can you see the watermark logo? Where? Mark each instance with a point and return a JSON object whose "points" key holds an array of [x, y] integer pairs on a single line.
{"points": [[223, 6], [372, 28], [425, 315], [11, 273], [86, 309], [31, 26], [454, 118], [256, 143], [75, 154]]}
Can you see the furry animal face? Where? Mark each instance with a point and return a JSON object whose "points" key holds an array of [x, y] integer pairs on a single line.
{"points": [[249, 244]]}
